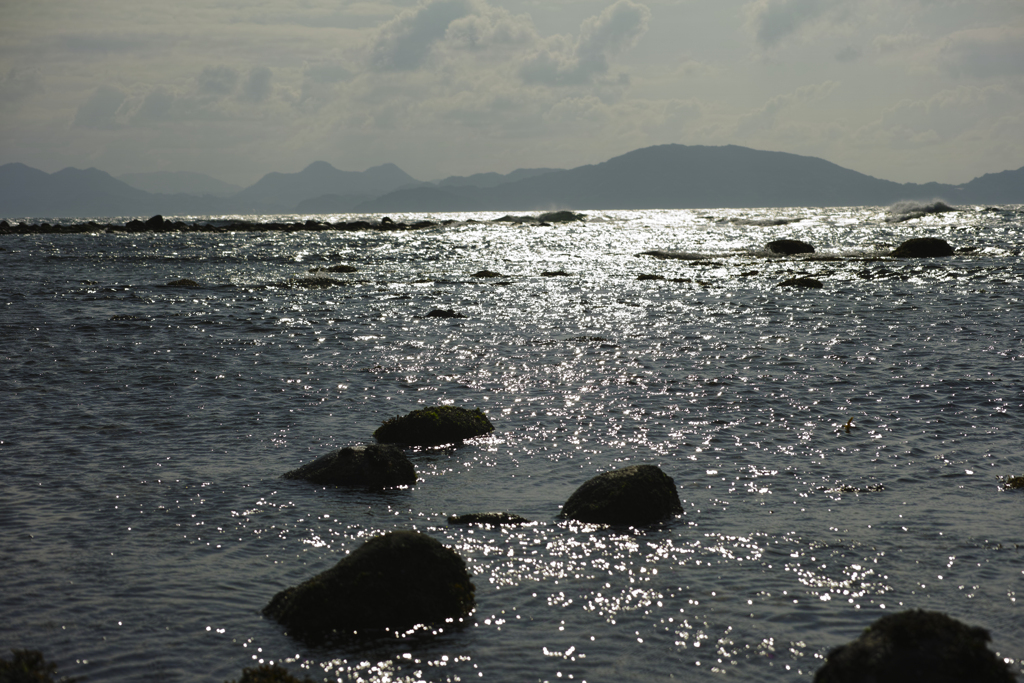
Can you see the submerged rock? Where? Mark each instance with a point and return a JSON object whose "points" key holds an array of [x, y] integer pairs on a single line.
{"points": [[29, 666], [184, 282], [635, 495], [492, 518], [554, 273], [1014, 482], [916, 646], [486, 273], [807, 282], [341, 268], [397, 581], [374, 466], [788, 247], [434, 426], [923, 247], [270, 673]]}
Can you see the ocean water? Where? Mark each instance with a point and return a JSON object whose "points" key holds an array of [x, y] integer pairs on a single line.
{"points": [[144, 429]]}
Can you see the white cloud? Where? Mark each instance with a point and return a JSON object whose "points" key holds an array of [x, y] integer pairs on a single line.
{"points": [[984, 53], [773, 21], [405, 42]]}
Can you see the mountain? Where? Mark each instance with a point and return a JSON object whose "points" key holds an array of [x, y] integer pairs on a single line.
{"points": [[282, 192], [661, 177], [179, 182]]}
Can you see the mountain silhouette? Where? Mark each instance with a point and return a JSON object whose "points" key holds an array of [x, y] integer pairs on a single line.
{"points": [[661, 177]]}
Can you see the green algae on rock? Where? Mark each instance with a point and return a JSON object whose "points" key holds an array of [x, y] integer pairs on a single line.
{"points": [[434, 426], [395, 583], [636, 495]]}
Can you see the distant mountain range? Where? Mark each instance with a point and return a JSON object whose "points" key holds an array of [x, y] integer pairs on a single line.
{"points": [[661, 177]]}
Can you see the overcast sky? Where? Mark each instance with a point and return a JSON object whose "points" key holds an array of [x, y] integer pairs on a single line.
{"points": [[906, 90]]}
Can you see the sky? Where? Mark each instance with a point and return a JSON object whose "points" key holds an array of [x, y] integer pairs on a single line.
{"points": [[905, 90]]}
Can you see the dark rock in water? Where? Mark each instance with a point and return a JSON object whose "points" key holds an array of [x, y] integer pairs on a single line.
{"points": [[270, 673], [635, 495], [486, 273], [397, 581], [155, 222], [561, 217], [808, 282], [492, 518], [923, 247], [434, 426], [29, 666], [649, 276], [1014, 482], [444, 313], [374, 466], [554, 273], [315, 282], [788, 247], [386, 220], [335, 269], [675, 255], [184, 282], [916, 646]]}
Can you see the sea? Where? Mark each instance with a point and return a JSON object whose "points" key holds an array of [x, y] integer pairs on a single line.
{"points": [[840, 452]]}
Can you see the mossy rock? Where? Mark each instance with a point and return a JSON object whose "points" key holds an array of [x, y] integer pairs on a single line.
{"points": [[374, 467], [270, 673], [923, 247], [394, 582], [635, 496], [916, 646], [789, 247], [489, 518], [434, 426]]}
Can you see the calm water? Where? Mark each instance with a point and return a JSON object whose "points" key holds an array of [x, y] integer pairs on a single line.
{"points": [[144, 429]]}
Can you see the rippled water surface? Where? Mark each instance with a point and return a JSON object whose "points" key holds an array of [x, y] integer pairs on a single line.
{"points": [[144, 430]]}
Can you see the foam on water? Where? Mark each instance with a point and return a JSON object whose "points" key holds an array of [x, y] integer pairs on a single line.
{"points": [[145, 429]]}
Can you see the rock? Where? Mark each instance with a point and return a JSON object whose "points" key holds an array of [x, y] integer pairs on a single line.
{"points": [[788, 247], [486, 273], [29, 666], [444, 313], [923, 247], [1014, 482], [560, 217], [270, 673], [554, 273], [635, 496], [315, 282], [916, 646], [808, 282], [649, 276], [374, 466], [434, 426], [491, 518], [335, 269], [397, 581], [155, 222], [184, 282]]}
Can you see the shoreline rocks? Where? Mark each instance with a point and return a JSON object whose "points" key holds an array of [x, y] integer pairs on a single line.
{"points": [[373, 467], [787, 247], [916, 646], [923, 247], [632, 496], [434, 426], [394, 582]]}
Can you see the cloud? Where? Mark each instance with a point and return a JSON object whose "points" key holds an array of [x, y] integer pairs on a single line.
{"points": [[257, 86], [561, 62], [984, 53], [775, 20], [766, 117], [405, 42], [217, 81], [17, 85], [99, 112]]}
